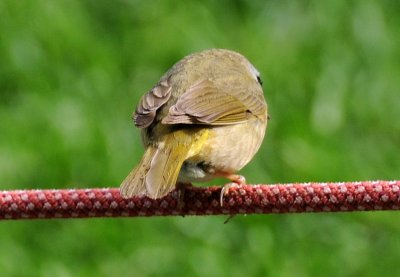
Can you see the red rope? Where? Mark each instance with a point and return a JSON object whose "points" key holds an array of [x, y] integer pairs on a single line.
{"points": [[249, 199]]}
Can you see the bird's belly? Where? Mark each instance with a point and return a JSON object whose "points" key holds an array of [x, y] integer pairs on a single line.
{"points": [[227, 150]]}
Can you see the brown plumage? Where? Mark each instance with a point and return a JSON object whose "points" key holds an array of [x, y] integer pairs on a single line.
{"points": [[205, 118]]}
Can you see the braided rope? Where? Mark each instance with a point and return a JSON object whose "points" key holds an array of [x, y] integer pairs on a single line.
{"points": [[248, 199]]}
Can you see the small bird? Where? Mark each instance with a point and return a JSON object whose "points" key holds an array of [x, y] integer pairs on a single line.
{"points": [[205, 118]]}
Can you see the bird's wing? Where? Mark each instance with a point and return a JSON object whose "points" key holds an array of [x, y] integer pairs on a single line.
{"points": [[149, 104], [205, 103]]}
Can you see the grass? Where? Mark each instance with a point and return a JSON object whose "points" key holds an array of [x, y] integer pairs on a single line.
{"points": [[71, 73]]}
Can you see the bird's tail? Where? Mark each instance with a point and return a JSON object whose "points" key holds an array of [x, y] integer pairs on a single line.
{"points": [[158, 171]]}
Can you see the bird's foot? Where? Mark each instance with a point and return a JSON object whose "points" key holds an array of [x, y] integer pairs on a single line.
{"points": [[237, 181], [181, 188]]}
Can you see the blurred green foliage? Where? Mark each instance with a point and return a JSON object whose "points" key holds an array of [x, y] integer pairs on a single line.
{"points": [[71, 73]]}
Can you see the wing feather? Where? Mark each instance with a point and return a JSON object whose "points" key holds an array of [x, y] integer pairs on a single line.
{"points": [[149, 104], [206, 103]]}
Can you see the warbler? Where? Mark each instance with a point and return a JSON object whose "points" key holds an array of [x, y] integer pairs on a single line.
{"points": [[205, 118]]}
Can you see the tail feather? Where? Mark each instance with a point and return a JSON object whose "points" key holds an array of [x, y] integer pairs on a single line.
{"points": [[164, 171], [157, 172], [134, 183]]}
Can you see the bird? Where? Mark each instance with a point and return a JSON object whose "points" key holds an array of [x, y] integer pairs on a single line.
{"points": [[205, 118]]}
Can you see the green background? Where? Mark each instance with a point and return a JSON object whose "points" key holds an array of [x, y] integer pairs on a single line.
{"points": [[71, 73]]}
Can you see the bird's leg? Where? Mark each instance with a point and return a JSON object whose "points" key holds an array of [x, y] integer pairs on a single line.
{"points": [[181, 188], [237, 181]]}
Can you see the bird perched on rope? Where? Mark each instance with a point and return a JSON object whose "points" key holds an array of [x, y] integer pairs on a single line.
{"points": [[205, 118]]}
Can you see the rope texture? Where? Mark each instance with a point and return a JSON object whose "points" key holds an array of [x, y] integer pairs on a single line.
{"points": [[248, 199]]}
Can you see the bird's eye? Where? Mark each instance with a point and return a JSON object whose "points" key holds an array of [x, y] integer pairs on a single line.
{"points": [[259, 80]]}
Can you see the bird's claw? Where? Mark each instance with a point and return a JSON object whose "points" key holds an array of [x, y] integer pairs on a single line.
{"points": [[225, 190]]}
